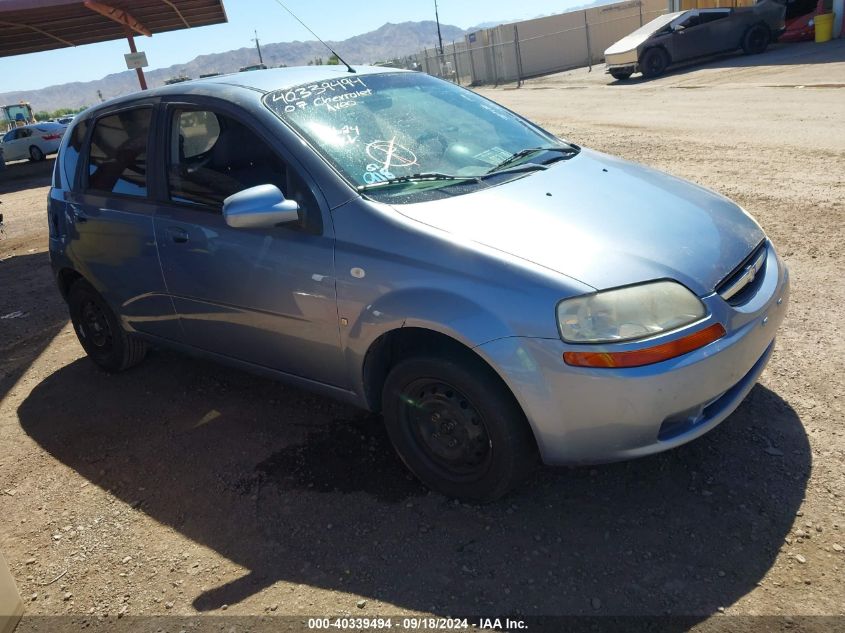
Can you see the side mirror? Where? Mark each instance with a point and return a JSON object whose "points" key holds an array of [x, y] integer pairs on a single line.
{"points": [[259, 207]]}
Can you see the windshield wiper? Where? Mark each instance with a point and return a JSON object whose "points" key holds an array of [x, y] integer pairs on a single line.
{"points": [[528, 151], [421, 177]]}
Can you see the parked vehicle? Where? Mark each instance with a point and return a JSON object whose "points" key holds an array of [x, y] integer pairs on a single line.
{"points": [[801, 19], [15, 115], [406, 245], [35, 141], [687, 35]]}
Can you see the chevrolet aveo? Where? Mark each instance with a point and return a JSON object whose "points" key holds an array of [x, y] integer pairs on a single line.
{"points": [[500, 295]]}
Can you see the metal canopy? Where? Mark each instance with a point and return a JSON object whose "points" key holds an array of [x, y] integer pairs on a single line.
{"points": [[30, 26]]}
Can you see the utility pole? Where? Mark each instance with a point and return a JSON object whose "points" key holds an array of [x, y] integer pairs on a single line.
{"points": [[439, 36], [258, 46]]}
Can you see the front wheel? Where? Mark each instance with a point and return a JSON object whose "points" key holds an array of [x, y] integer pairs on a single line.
{"points": [[654, 62], [620, 75], [99, 330], [457, 427], [35, 154], [756, 39]]}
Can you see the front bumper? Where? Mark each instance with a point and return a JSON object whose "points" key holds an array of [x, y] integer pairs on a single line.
{"points": [[587, 416]]}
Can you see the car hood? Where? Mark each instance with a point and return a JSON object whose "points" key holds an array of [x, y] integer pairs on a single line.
{"points": [[604, 221], [634, 39]]}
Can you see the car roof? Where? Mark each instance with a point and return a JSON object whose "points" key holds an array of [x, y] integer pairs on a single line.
{"points": [[278, 78], [36, 124], [262, 81]]}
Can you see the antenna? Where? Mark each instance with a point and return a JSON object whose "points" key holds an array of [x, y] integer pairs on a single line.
{"points": [[258, 46], [348, 67]]}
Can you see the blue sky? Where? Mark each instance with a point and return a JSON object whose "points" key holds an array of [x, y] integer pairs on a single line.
{"points": [[331, 19]]}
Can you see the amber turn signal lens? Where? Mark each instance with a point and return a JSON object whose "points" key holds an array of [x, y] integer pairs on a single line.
{"points": [[649, 355]]}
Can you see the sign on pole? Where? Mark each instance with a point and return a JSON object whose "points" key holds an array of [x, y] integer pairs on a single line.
{"points": [[136, 60]]}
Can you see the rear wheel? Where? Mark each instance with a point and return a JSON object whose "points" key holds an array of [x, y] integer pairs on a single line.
{"points": [[35, 154], [456, 427], [99, 330], [756, 39], [620, 75], [654, 62]]}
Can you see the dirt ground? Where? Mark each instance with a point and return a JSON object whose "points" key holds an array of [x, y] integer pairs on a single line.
{"points": [[182, 487]]}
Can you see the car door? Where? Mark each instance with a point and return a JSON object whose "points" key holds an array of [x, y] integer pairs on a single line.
{"points": [[12, 145], [262, 296], [721, 32], [111, 238], [689, 37]]}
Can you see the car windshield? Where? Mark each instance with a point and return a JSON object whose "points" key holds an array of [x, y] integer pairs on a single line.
{"points": [[408, 135]]}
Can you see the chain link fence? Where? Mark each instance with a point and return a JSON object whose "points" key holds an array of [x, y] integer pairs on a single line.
{"points": [[513, 52]]}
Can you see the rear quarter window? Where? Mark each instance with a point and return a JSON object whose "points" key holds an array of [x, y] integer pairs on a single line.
{"points": [[72, 152]]}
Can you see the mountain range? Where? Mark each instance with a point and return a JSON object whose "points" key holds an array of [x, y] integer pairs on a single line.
{"points": [[387, 42]]}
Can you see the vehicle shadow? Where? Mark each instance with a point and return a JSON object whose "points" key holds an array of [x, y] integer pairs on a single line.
{"points": [[298, 488], [31, 314]]}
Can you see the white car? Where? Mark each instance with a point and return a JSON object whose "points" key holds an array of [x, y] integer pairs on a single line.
{"points": [[34, 141]]}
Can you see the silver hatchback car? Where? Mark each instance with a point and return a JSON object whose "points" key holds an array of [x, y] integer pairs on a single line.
{"points": [[386, 238]]}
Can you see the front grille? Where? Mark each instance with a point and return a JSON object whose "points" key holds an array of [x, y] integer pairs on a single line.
{"points": [[744, 280]]}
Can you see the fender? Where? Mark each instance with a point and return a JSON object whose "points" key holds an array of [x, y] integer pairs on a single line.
{"points": [[447, 313]]}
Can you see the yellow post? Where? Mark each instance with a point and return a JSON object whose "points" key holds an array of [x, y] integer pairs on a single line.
{"points": [[11, 607], [824, 27]]}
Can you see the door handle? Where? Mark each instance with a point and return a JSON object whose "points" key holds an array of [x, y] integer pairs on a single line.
{"points": [[78, 215], [178, 235]]}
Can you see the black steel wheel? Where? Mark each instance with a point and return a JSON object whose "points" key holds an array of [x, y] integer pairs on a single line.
{"points": [[35, 154], [447, 427], [756, 39], [457, 427], [99, 330], [654, 62]]}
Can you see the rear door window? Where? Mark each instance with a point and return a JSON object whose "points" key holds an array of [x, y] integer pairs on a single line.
{"points": [[117, 161], [712, 16]]}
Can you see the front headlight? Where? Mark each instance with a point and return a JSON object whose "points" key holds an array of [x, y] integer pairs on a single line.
{"points": [[625, 314]]}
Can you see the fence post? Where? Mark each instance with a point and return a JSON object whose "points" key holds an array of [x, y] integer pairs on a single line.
{"points": [[471, 53], [455, 58], [589, 51], [517, 56], [641, 12], [493, 59]]}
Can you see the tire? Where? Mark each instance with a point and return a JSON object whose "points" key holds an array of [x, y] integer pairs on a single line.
{"points": [[756, 39], [457, 427], [35, 154], [654, 62], [620, 75], [99, 330]]}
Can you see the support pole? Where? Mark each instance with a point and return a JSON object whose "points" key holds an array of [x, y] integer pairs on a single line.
{"points": [[589, 51], [140, 71]]}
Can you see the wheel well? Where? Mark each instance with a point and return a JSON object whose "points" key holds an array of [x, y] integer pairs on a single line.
{"points": [[66, 278], [652, 48], [396, 345]]}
